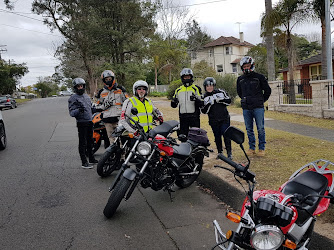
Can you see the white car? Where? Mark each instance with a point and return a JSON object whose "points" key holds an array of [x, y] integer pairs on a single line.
{"points": [[3, 138], [65, 93]]}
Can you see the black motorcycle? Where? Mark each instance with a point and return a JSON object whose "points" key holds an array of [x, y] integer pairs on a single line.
{"points": [[159, 162]]}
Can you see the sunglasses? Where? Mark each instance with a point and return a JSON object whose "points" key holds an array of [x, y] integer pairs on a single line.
{"points": [[141, 88]]}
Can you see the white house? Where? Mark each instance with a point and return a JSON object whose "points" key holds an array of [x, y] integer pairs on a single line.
{"points": [[223, 54]]}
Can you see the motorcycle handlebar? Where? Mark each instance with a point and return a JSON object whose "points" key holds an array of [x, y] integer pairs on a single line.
{"points": [[237, 166]]}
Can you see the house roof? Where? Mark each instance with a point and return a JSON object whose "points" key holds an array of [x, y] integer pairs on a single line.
{"points": [[312, 60], [236, 60], [223, 40]]}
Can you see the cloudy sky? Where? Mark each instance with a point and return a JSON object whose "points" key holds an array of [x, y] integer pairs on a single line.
{"points": [[26, 39]]}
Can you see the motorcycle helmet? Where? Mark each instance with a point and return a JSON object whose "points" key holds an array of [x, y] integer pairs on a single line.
{"points": [[108, 73], [247, 60], [76, 82], [184, 72], [209, 81], [137, 84]]}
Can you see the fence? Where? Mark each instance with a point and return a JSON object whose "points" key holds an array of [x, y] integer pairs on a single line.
{"points": [[295, 92], [306, 97]]}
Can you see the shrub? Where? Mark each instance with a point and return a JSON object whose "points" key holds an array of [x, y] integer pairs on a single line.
{"points": [[172, 87], [229, 84], [157, 94]]}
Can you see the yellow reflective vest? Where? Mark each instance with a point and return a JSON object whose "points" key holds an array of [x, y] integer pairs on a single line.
{"points": [[145, 112]]}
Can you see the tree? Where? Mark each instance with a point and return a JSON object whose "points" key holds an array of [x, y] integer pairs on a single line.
{"points": [[196, 38], [287, 14], [269, 41], [10, 73], [260, 55]]}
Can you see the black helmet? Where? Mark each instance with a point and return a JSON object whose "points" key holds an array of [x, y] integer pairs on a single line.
{"points": [[185, 72], [76, 82], [209, 81], [247, 60]]}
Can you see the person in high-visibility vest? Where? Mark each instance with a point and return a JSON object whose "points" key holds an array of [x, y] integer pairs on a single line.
{"points": [[146, 110], [188, 98]]}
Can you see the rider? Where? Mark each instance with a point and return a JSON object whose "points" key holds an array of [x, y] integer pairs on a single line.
{"points": [[188, 96], [110, 101], [146, 110], [80, 107]]}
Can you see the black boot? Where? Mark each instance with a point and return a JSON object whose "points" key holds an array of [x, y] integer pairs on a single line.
{"points": [[228, 148], [92, 159]]}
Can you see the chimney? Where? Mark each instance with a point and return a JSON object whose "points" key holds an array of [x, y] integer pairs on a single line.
{"points": [[241, 35]]}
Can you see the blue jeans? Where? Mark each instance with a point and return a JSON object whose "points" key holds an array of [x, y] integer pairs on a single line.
{"points": [[249, 117]]}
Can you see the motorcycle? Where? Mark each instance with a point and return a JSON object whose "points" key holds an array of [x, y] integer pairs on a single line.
{"points": [[282, 219], [160, 162], [99, 132]]}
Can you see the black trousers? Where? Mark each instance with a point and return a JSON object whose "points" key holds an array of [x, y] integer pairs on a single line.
{"points": [[188, 121], [218, 131], [85, 133]]}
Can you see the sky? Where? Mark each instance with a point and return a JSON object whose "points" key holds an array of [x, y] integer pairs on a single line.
{"points": [[28, 40]]}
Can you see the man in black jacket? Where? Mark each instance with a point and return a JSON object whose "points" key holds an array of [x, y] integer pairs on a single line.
{"points": [[254, 90]]}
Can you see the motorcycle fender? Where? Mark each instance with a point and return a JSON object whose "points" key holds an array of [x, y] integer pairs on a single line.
{"points": [[129, 174]]}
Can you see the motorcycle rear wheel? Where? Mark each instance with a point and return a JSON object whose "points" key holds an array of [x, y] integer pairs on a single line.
{"points": [[116, 197], [109, 161], [186, 181]]}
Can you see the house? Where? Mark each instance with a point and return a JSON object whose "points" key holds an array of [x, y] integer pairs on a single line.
{"points": [[309, 68], [223, 54]]}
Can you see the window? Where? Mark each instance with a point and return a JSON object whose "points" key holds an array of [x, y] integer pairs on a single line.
{"points": [[228, 50], [211, 53], [219, 68], [315, 72], [234, 68]]}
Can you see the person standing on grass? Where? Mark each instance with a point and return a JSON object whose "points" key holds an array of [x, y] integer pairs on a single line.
{"points": [[215, 103], [254, 91], [188, 97], [80, 107]]}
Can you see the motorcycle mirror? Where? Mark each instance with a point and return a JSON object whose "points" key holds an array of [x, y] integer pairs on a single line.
{"points": [[235, 135], [134, 111], [182, 138]]}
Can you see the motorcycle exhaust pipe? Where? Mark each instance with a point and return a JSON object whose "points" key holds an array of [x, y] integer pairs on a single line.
{"points": [[191, 173]]}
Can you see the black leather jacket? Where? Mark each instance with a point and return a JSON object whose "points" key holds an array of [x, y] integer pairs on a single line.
{"points": [[253, 89]]}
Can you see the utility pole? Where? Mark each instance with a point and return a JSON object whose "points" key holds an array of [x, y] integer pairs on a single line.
{"points": [[328, 41], [2, 49]]}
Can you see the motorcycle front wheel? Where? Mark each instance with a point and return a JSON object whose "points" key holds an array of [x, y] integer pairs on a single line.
{"points": [[116, 197], [109, 161], [184, 181]]}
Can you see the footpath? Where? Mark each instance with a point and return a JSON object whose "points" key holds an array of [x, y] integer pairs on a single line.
{"points": [[234, 197]]}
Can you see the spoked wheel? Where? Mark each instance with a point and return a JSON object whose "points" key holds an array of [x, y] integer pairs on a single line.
{"points": [[109, 161], [116, 197], [184, 181], [3, 138]]}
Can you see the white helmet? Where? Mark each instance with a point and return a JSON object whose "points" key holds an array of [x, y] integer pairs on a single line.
{"points": [[137, 84]]}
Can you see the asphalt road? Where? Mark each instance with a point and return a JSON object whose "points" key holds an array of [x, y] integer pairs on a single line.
{"points": [[49, 202]]}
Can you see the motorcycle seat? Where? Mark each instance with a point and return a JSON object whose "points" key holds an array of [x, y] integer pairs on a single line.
{"points": [[182, 151], [164, 129], [307, 183]]}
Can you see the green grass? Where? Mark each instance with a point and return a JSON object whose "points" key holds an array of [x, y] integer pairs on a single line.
{"points": [[285, 152], [18, 101]]}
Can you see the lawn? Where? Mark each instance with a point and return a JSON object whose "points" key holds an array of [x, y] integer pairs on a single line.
{"points": [[285, 152]]}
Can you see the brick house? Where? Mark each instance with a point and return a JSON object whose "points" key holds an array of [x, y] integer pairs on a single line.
{"points": [[223, 54]]}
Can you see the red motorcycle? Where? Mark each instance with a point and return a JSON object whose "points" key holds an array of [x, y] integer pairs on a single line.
{"points": [[282, 219]]}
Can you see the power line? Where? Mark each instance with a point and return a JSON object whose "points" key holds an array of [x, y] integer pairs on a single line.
{"points": [[190, 5], [30, 30], [15, 13]]}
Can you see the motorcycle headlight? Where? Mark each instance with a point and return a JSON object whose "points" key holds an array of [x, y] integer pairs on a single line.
{"points": [[267, 237], [144, 148]]}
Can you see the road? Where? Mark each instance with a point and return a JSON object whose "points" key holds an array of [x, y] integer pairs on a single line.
{"points": [[49, 202]]}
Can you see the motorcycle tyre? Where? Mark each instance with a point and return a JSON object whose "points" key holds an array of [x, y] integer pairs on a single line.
{"points": [[96, 146], [3, 138], [102, 164], [116, 197], [186, 182]]}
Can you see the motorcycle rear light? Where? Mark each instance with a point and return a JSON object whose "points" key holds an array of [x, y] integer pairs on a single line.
{"points": [[233, 217], [290, 244], [8, 100]]}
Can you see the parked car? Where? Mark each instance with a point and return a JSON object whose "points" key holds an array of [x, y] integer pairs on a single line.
{"points": [[3, 138], [7, 102], [65, 93]]}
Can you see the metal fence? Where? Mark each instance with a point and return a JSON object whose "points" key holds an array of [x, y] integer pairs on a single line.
{"points": [[330, 89], [295, 92]]}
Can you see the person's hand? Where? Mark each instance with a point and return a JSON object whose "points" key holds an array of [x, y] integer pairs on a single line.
{"points": [[193, 97], [107, 104]]}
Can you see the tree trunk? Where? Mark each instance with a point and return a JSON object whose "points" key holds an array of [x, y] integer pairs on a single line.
{"points": [[323, 49], [291, 85], [269, 40]]}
